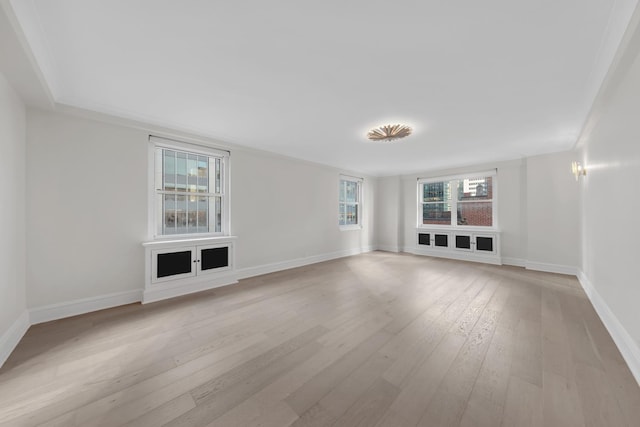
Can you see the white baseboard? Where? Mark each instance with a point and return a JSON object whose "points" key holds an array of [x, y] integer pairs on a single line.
{"points": [[82, 306], [388, 248], [552, 268], [162, 291], [516, 262], [464, 256], [626, 344], [245, 273], [10, 339], [87, 305]]}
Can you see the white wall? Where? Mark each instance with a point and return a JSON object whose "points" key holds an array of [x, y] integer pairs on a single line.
{"points": [[285, 209], [12, 210], [87, 209], [388, 212], [610, 149], [512, 210], [553, 213]]}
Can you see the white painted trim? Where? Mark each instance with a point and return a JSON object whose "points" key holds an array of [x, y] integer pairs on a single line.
{"points": [[206, 149], [359, 204], [162, 291], [12, 336], [174, 243], [624, 341], [388, 248], [87, 305], [150, 125], [516, 262], [464, 175], [244, 273], [351, 226], [30, 37], [10, 339], [154, 181], [552, 268], [82, 306], [454, 180], [460, 256]]}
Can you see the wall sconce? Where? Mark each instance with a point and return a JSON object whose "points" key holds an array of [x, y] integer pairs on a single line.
{"points": [[578, 170]]}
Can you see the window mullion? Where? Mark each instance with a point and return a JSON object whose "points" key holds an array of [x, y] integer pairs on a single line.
{"points": [[175, 214], [454, 202], [206, 199], [472, 201], [345, 209], [346, 204], [175, 196], [349, 201], [222, 201], [162, 196], [170, 222]]}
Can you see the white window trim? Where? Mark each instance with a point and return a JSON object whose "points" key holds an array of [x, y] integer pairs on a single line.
{"points": [[160, 142], [360, 182], [454, 202]]}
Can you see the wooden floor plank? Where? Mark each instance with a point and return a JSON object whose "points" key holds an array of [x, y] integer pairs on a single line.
{"points": [[561, 403], [450, 399], [312, 391], [316, 416], [162, 414], [523, 407], [413, 356], [215, 404], [420, 388], [345, 394], [370, 407], [485, 406], [598, 402]]}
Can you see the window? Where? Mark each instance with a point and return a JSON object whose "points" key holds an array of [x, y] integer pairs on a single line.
{"points": [[350, 203], [190, 189], [458, 201]]}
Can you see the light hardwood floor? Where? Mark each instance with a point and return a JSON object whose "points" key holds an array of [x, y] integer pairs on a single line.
{"points": [[372, 340]]}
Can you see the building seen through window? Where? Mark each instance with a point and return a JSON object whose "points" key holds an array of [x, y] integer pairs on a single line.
{"points": [[472, 204], [349, 202], [189, 191]]}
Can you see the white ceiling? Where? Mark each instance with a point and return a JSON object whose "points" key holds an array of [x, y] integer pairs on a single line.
{"points": [[478, 81]]}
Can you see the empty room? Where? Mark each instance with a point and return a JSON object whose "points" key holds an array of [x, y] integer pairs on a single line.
{"points": [[364, 213]]}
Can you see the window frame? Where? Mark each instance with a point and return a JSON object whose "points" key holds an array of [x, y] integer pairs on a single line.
{"points": [[359, 203], [156, 142], [453, 182]]}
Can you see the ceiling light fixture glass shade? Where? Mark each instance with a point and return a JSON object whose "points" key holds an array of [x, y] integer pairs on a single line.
{"points": [[389, 132]]}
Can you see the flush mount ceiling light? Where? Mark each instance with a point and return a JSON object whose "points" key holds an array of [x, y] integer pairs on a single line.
{"points": [[389, 132]]}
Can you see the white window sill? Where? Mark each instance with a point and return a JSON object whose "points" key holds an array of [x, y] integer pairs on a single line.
{"points": [[168, 243], [459, 228], [350, 227]]}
